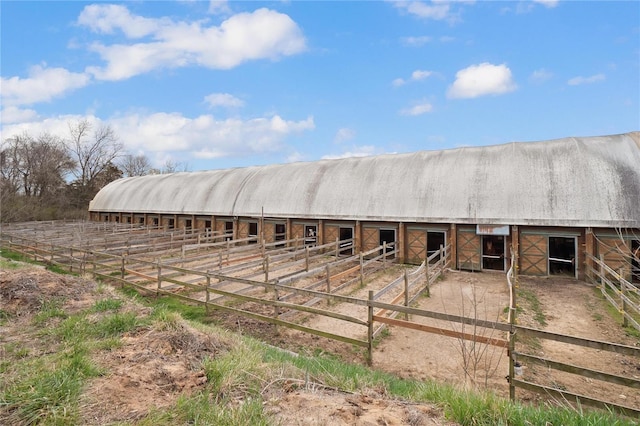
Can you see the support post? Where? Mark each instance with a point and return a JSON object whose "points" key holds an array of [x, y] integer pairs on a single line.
{"points": [[426, 273], [370, 330], [122, 267], [406, 294], [276, 307], [328, 282], [208, 296], [623, 297], [159, 278], [306, 257], [361, 270], [512, 354]]}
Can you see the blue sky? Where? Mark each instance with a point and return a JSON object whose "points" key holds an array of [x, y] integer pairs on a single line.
{"points": [[228, 84]]}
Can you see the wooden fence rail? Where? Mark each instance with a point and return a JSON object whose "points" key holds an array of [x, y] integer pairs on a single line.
{"points": [[165, 275], [623, 295]]}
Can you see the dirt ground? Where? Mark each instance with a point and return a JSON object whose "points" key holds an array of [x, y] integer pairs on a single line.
{"points": [[154, 366], [568, 306]]}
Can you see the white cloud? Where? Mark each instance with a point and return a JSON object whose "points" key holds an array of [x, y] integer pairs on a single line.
{"points": [[547, 3], [107, 18], [223, 100], [344, 134], [159, 135], [417, 75], [219, 7], [262, 34], [434, 10], [540, 76], [576, 81], [415, 41], [12, 114], [356, 151], [481, 80], [418, 109], [420, 75], [42, 85]]}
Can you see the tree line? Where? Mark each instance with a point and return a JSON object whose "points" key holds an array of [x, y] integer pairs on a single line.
{"points": [[49, 177]]}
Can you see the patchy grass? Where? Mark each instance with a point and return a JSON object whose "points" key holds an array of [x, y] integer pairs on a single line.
{"points": [[532, 303]]}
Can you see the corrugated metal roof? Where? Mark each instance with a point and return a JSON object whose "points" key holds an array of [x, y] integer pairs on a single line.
{"points": [[585, 181]]}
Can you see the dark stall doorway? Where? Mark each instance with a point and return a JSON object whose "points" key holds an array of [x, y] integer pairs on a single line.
{"points": [[493, 252], [228, 231], [635, 261], [434, 241], [253, 232], [388, 236], [310, 235], [281, 233], [562, 256], [346, 247]]}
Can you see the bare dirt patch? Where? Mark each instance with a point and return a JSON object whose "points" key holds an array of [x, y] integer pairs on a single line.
{"points": [[324, 408]]}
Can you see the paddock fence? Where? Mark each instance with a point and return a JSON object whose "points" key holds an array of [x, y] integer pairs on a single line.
{"points": [[288, 282]]}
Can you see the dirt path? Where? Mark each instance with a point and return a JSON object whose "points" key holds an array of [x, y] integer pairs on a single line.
{"points": [[420, 355], [572, 307]]}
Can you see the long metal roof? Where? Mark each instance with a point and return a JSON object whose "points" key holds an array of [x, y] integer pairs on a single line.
{"points": [[577, 181]]}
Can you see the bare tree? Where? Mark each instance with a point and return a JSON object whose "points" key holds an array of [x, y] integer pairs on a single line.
{"points": [[135, 165], [95, 152], [170, 166]]}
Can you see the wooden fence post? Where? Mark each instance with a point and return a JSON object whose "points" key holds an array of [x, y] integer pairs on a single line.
{"points": [[206, 304], [306, 256], [276, 307], [71, 259], [328, 283], [266, 271], [159, 278], [406, 294], [370, 330], [426, 269], [384, 254], [337, 247], [623, 297], [122, 267], [361, 270]]}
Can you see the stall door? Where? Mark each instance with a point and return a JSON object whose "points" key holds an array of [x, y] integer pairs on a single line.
{"points": [[468, 250], [416, 245], [533, 254]]}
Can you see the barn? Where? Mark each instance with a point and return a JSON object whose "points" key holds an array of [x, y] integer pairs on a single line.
{"points": [[553, 203]]}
